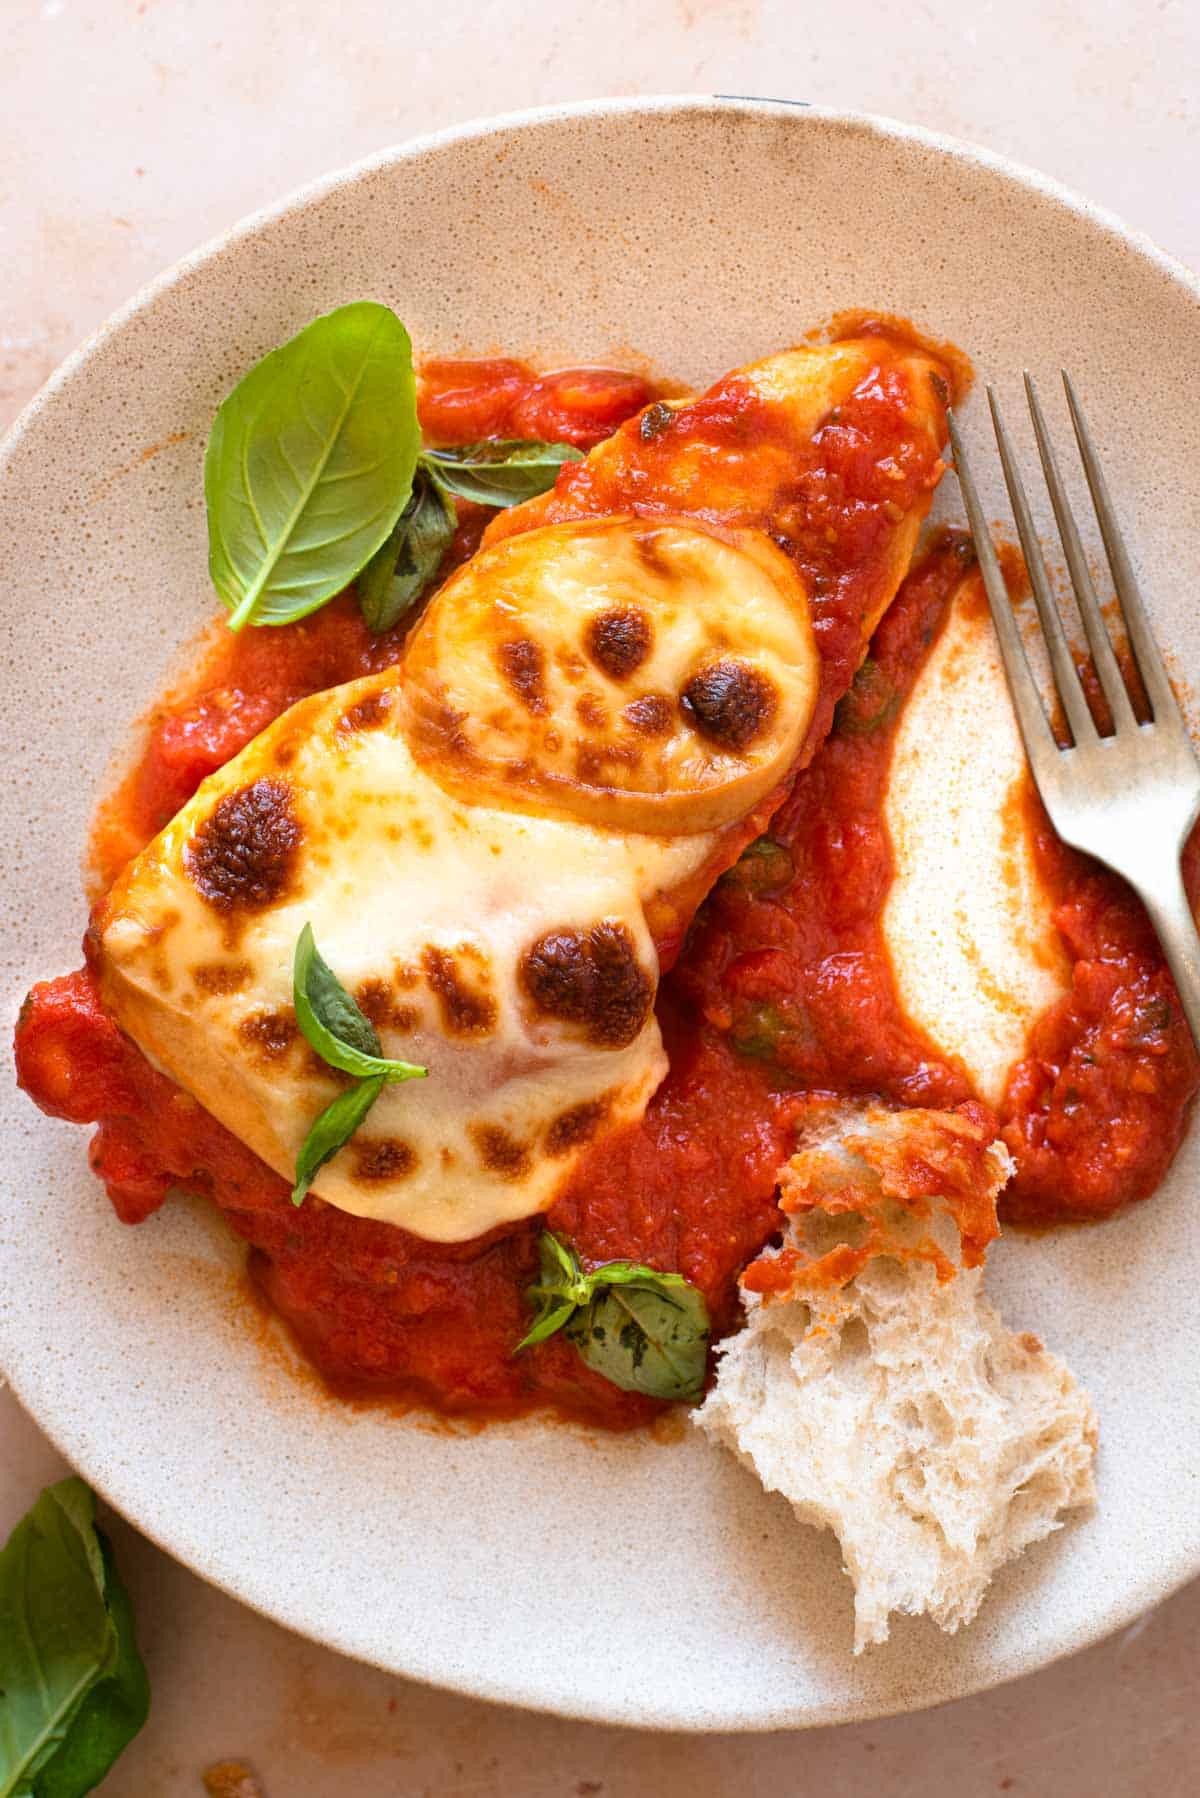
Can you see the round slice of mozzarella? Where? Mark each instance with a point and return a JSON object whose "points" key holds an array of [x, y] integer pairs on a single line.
{"points": [[968, 921], [643, 674]]}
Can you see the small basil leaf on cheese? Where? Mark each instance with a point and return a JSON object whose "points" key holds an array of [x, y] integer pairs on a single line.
{"points": [[339, 1032], [646, 1333], [310, 463], [501, 471], [332, 1130], [398, 573]]}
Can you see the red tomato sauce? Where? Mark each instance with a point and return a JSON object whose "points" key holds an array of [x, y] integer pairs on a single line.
{"points": [[783, 991], [1095, 1111]]}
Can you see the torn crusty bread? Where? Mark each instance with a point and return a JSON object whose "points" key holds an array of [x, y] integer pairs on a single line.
{"points": [[876, 1387]]}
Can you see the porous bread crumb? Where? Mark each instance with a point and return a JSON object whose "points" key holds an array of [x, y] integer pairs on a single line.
{"points": [[881, 1392], [232, 1779]]}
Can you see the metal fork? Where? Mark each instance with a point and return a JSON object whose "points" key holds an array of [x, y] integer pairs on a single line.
{"points": [[1130, 798]]}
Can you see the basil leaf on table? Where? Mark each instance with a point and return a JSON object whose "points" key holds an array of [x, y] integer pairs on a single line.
{"points": [[331, 1130], [643, 1330], [73, 1689], [339, 1032], [398, 573], [502, 472], [310, 463]]}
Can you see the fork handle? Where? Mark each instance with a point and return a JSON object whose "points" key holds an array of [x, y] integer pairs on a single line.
{"points": [[1171, 914]]}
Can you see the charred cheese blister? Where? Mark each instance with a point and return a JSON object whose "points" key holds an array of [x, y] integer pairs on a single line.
{"points": [[642, 673], [968, 921], [508, 953]]}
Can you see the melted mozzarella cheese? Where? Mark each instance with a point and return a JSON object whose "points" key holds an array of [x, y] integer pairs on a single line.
{"points": [[642, 673], [968, 923], [427, 910]]}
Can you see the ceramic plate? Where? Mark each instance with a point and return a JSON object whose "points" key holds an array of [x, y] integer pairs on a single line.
{"points": [[628, 1579]]}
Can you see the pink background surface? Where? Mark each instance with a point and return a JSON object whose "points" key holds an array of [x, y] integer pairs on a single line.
{"points": [[132, 130]]}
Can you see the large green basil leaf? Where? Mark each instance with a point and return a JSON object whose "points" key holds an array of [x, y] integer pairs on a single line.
{"points": [[73, 1690], [330, 1131], [500, 471], [397, 575], [333, 1023], [310, 463], [649, 1335]]}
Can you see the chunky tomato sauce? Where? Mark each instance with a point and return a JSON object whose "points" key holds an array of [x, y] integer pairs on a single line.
{"points": [[782, 992]]}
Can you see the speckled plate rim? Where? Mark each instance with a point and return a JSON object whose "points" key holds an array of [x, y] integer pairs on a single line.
{"points": [[1185, 1564], [874, 123]]}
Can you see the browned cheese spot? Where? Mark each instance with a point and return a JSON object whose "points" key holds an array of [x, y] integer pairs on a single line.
{"points": [[270, 1034], [591, 711], [376, 1000], [572, 1128], [651, 716], [591, 978], [465, 1010], [379, 1158], [500, 1153], [619, 640], [367, 713], [446, 730], [730, 703], [242, 856], [523, 665], [221, 977]]}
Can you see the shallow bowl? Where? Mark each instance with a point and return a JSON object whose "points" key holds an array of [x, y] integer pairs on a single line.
{"points": [[629, 1579]]}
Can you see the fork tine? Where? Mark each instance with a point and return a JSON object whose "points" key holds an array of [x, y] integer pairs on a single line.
{"points": [[1145, 647], [1066, 677], [1111, 682], [1031, 717]]}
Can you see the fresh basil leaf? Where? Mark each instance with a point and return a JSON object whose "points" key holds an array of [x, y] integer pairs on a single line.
{"points": [[330, 1132], [562, 1288], [73, 1690], [333, 1023], [111, 1713], [397, 575], [644, 1331], [499, 472], [551, 1317], [562, 1268], [624, 1273], [650, 1336], [310, 463]]}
